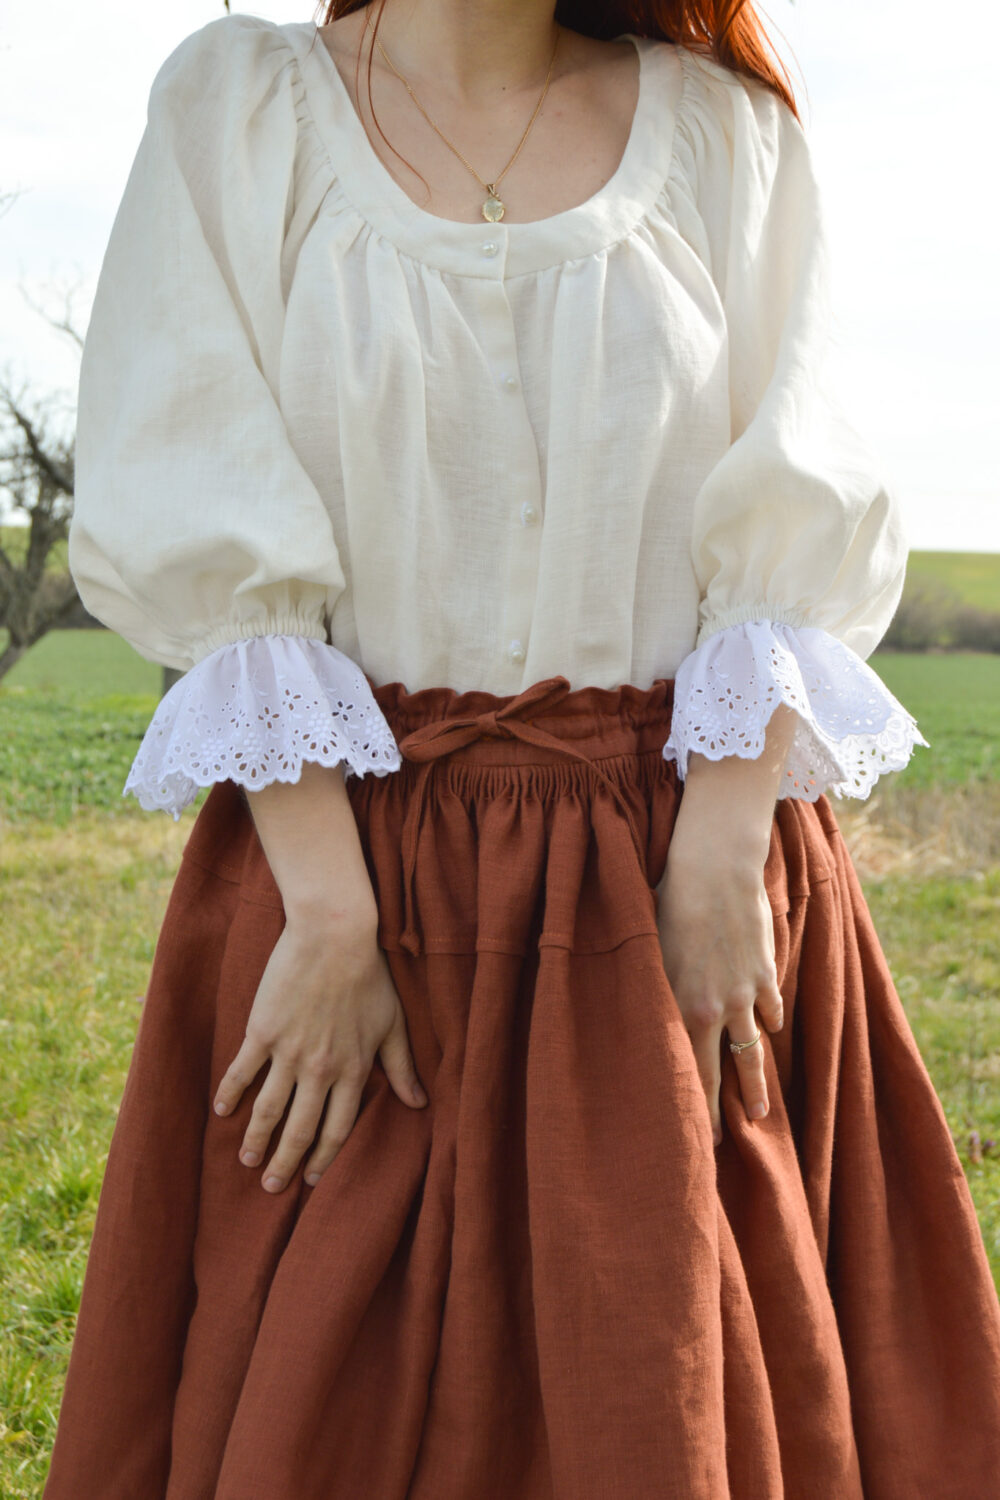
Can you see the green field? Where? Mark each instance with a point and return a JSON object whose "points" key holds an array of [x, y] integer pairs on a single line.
{"points": [[81, 701], [84, 880], [955, 699], [85, 664], [974, 576]]}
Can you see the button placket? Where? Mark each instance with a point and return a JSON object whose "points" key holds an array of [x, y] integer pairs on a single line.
{"points": [[522, 484]]}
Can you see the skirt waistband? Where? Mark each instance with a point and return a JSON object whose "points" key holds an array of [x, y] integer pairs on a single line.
{"points": [[482, 726], [548, 720]]}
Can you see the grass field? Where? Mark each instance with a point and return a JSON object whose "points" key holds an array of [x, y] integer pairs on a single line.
{"points": [[955, 699], [81, 700], [975, 576], [84, 880]]}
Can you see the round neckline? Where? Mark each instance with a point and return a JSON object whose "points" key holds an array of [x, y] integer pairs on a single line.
{"points": [[402, 198], [496, 250]]}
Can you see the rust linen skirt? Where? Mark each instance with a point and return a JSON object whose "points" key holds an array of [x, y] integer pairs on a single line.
{"points": [[548, 1284]]}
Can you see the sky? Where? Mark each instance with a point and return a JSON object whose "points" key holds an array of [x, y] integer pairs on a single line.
{"points": [[903, 132]]}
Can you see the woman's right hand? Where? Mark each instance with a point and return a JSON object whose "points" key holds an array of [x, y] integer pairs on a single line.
{"points": [[326, 1002], [325, 1005]]}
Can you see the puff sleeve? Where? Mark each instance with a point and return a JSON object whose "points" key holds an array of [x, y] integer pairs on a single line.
{"points": [[797, 541], [197, 534]]}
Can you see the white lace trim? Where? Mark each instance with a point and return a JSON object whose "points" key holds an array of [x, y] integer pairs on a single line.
{"points": [[252, 712], [850, 730]]}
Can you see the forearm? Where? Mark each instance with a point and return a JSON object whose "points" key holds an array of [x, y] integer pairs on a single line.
{"points": [[310, 837], [729, 803]]}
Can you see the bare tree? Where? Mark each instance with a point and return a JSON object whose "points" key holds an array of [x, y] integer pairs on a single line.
{"points": [[36, 479]]}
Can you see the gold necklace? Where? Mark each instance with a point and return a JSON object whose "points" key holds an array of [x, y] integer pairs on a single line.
{"points": [[494, 208]]}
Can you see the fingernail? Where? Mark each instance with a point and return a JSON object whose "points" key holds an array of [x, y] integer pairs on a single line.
{"points": [[717, 1137], [312, 1178], [758, 1110], [273, 1184], [419, 1094], [220, 1108], [250, 1158]]}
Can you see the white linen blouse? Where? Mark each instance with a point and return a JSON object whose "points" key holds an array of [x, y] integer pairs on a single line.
{"points": [[323, 433]]}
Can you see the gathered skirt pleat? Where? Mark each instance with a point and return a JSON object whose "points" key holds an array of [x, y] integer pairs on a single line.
{"points": [[548, 1284]]}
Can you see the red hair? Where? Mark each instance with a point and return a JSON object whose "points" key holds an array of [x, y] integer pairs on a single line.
{"points": [[728, 30]]}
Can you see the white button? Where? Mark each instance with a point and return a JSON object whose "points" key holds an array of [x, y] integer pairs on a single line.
{"points": [[510, 381], [516, 651], [490, 247], [529, 514]]}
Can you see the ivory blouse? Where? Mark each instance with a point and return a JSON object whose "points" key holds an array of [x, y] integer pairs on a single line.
{"points": [[324, 433]]}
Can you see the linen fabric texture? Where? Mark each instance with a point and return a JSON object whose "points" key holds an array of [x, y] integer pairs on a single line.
{"points": [[547, 1284], [601, 444]]}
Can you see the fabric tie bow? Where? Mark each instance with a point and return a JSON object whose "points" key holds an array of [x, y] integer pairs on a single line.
{"points": [[428, 744]]}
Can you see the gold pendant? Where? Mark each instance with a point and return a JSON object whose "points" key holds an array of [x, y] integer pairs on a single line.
{"points": [[493, 208]]}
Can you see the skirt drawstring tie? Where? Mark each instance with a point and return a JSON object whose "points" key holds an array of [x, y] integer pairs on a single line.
{"points": [[428, 744]]}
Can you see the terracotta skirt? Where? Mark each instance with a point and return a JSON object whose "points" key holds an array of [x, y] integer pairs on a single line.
{"points": [[548, 1284]]}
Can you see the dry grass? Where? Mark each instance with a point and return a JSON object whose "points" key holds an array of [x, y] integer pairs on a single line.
{"points": [[923, 831]]}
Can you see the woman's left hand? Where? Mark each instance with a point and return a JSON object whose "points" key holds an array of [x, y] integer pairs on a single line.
{"points": [[715, 921], [717, 937]]}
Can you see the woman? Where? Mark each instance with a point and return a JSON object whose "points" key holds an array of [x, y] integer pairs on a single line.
{"points": [[453, 411]]}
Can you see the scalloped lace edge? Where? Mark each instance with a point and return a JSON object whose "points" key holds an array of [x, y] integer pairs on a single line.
{"points": [[850, 731], [254, 712]]}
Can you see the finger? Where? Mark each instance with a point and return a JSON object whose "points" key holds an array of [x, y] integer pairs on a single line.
{"points": [[397, 1060], [239, 1075], [750, 1067], [341, 1113], [771, 1007], [269, 1106], [298, 1134]]}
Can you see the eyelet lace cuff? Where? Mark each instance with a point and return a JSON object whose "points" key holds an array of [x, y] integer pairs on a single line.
{"points": [[253, 712], [850, 729]]}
